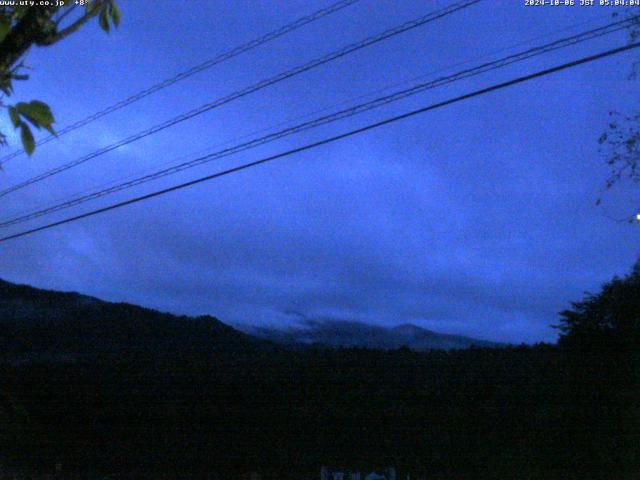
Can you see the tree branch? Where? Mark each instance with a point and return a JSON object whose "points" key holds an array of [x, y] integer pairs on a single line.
{"points": [[22, 36], [67, 12], [75, 26]]}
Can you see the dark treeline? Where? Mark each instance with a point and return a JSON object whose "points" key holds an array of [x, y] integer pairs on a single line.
{"points": [[566, 411], [486, 412]]}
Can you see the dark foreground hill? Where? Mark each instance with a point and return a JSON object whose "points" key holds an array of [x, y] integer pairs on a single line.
{"points": [[45, 324], [115, 390], [37, 323]]}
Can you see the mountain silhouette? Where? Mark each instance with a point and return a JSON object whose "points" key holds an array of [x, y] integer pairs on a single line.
{"points": [[341, 333], [51, 325], [62, 326]]}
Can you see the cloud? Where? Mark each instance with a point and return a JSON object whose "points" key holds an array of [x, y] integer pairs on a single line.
{"points": [[477, 219]]}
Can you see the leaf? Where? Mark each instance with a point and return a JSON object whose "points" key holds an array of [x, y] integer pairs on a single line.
{"points": [[20, 11], [6, 86], [51, 130], [114, 13], [38, 113], [28, 142], [5, 28], [88, 7], [41, 109], [103, 19], [15, 117]]}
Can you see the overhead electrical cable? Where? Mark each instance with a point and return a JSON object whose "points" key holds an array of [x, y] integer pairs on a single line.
{"points": [[333, 117], [248, 90], [308, 114], [234, 52], [332, 139]]}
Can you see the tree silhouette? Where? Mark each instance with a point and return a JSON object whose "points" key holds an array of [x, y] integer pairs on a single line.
{"points": [[620, 142], [609, 319], [28, 24]]}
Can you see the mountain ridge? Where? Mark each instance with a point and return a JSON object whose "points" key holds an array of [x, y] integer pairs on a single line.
{"points": [[46, 324], [53, 325], [349, 333]]}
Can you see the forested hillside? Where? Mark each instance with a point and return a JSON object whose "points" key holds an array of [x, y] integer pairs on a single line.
{"points": [[519, 412], [41, 324]]}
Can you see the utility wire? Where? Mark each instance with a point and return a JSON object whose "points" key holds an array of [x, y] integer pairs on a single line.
{"points": [[248, 90], [234, 52], [345, 113], [369, 94], [335, 138]]}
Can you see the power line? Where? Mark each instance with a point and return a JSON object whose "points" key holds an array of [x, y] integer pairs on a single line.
{"points": [[341, 114], [616, 26], [369, 94], [248, 90], [234, 52], [335, 138]]}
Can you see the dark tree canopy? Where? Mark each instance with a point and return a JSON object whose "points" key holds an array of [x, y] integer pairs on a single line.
{"points": [[117, 391], [610, 318]]}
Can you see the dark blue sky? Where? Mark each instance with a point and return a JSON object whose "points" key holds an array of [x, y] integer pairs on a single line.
{"points": [[477, 219]]}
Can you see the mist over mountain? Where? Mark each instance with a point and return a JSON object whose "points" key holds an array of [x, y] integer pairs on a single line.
{"points": [[50, 325], [340, 333]]}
